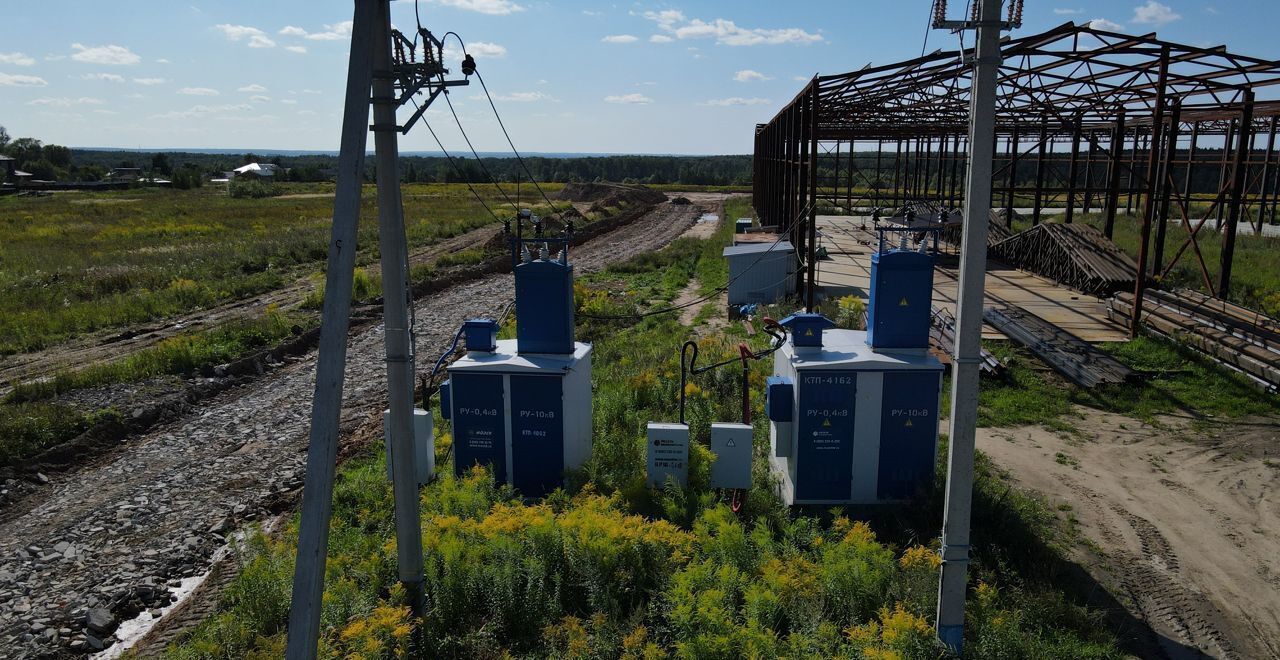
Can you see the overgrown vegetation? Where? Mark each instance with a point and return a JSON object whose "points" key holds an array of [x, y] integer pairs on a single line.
{"points": [[76, 263], [186, 353], [610, 568], [26, 429], [1172, 379]]}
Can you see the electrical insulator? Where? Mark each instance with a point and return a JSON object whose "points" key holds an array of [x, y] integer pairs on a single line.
{"points": [[468, 65], [939, 13]]}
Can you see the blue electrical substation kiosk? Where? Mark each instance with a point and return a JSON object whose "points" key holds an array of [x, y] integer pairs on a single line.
{"points": [[522, 406], [854, 414]]}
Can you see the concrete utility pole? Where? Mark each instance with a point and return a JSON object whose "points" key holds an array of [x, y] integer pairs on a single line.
{"points": [[968, 344], [326, 405], [373, 77]]}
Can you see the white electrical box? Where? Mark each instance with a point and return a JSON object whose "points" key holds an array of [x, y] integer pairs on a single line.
{"points": [[731, 443], [668, 453], [424, 443]]}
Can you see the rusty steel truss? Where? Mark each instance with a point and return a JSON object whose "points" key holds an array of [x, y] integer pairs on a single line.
{"points": [[1087, 121]]}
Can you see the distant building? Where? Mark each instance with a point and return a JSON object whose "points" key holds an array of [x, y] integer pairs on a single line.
{"points": [[264, 170], [129, 174], [9, 172]]}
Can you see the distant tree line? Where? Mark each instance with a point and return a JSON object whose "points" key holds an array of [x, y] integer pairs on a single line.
{"points": [[690, 170]]}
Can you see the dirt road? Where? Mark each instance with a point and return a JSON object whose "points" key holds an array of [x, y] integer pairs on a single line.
{"points": [[1185, 522], [113, 537]]}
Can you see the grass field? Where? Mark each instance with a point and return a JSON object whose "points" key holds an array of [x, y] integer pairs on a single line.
{"points": [[610, 568], [79, 262]]}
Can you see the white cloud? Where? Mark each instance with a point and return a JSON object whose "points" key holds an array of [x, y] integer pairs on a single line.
{"points": [[1154, 13], [109, 54], [734, 100], [302, 50], [252, 88], [620, 39], [491, 7], [198, 111], [726, 32], [65, 102], [520, 97], [100, 111], [1104, 24], [290, 101], [336, 32], [1066, 12], [162, 61], [666, 19], [108, 77], [17, 59], [1211, 9], [150, 81], [292, 31], [660, 39], [588, 12], [198, 91], [19, 80], [311, 91], [260, 99], [629, 99], [479, 49], [747, 75], [801, 78], [257, 38]]}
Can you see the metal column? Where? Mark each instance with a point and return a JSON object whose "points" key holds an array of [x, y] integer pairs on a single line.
{"points": [[1148, 204], [1243, 143]]}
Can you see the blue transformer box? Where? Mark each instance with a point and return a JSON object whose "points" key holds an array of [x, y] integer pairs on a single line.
{"points": [[526, 416], [862, 425], [900, 300], [544, 307]]}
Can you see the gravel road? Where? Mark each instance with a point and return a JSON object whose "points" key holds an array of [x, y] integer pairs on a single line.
{"points": [[111, 539]]}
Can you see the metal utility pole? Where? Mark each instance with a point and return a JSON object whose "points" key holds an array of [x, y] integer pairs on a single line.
{"points": [[385, 78], [968, 344]]}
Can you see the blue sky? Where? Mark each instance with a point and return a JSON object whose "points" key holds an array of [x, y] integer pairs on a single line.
{"points": [[641, 77]]}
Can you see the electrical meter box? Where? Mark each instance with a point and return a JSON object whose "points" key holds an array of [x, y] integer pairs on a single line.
{"points": [[527, 416], [731, 444], [424, 445], [668, 453], [865, 423]]}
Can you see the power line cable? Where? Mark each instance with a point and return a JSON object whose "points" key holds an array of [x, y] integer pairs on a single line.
{"points": [[474, 153], [515, 151], [501, 124], [461, 174]]}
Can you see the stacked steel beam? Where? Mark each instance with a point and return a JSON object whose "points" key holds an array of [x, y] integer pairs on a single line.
{"points": [[1073, 254], [1238, 337], [1077, 360], [943, 332]]}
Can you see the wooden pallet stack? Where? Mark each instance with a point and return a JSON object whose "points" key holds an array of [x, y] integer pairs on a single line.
{"points": [[1241, 338]]}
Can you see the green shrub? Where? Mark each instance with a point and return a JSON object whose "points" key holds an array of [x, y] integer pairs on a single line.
{"points": [[251, 187]]}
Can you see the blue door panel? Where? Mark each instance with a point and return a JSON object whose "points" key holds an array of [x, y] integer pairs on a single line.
{"points": [[908, 433], [479, 432], [537, 434], [825, 443]]}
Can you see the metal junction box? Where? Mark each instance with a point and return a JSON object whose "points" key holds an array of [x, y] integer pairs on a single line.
{"points": [[526, 416], [900, 301], [865, 423], [424, 445], [668, 453], [731, 444]]}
